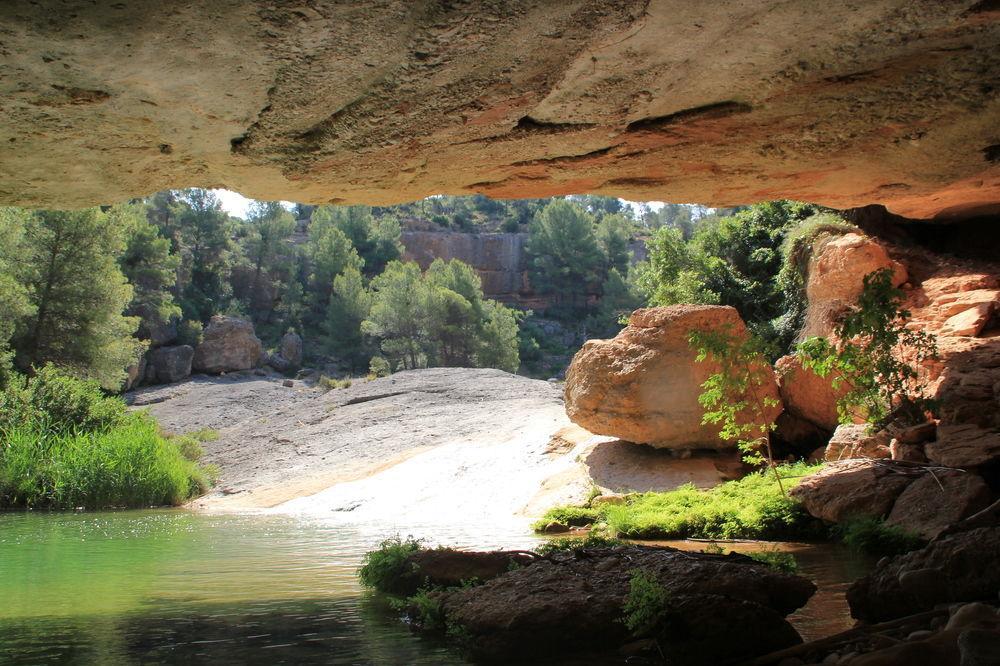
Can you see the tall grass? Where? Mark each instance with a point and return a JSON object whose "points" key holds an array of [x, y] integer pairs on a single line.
{"points": [[65, 445]]}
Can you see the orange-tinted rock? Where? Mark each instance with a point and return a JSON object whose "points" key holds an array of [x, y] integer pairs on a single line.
{"points": [[968, 322], [850, 489], [854, 441], [965, 445], [935, 501], [643, 385], [836, 278], [806, 394], [890, 101]]}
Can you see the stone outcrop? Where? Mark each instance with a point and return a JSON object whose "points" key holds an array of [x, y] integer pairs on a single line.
{"points": [[807, 395], [850, 489], [290, 348], [959, 567], [938, 500], [855, 441], [569, 605], [166, 365], [643, 385], [228, 344], [965, 445], [895, 105], [835, 278]]}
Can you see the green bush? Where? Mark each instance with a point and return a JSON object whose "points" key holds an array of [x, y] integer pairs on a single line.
{"points": [[329, 383], [874, 537], [388, 568], [571, 516], [55, 401], [567, 544], [379, 367], [190, 332], [128, 465], [780, 560], [647, 604]]}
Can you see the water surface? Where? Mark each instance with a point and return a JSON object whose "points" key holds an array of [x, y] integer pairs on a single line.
{"points": [[172, 586]]}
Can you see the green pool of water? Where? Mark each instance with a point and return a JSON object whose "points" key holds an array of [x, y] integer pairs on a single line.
{"points": [[172, 586]]}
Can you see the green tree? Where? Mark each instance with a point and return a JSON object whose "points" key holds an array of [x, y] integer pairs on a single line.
{"points": [[14, 302], [78, 293], [876, 356], [613, 235], [148, 266], [376, 241], [564, 257], [205, 233], [350, 304], [498, 341], [396, 315], [619, 298], [330, 253], [268, 227]]}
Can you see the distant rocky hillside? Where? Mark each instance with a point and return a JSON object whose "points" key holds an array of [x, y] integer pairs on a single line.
{"points": [[499, 258]]}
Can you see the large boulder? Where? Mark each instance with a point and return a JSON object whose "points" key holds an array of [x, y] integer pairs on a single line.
{"points": [[169, 364], [572, 604], [850, 489], [228, 344], [965, 445], [836, 278], [937, 500], [855, 441], [643, 385], [806, 394], [959, 567], [290, 348]]}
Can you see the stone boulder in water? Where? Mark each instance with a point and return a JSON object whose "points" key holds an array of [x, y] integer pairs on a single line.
{"points": [[643, 385]]}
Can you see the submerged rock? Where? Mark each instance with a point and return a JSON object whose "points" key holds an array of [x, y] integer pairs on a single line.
{"points": [[959, 567], [229, 344], [573, 602], [643, 385]]}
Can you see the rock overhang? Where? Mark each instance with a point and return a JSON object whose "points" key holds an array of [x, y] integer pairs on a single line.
{"points": [[890, 101]]}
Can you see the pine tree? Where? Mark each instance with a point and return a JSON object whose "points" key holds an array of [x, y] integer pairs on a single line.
{"points": [[350, 304], [206, 247], [78, 293], [613, 237], [377, 242], [330, 253], [565, 259], [14, 303], [397, 313]]}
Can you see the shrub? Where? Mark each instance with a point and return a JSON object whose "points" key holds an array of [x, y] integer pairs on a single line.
{"points": [[125, 466], [388, 568], [571, 516], [875, 537], [567, 544], [329, 383], [379, 367], [190, 332], [55, 401], [777, 559], [647, 604]]}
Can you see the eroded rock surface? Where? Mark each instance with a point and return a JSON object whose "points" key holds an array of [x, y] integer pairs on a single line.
{"points": [[229, 344], [890, 101], [571, 604], [960, 567], [643, 385], [850, 489]]}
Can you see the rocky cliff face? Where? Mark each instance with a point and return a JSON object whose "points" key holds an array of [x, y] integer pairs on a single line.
{"points": [[843, 103]]}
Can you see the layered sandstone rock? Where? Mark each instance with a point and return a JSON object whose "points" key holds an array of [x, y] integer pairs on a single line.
{"points": [[856, 441], [845, 104], [228, 344], [836, 273], [936, 501], [850, 489], [806, 394], [643, 385]]}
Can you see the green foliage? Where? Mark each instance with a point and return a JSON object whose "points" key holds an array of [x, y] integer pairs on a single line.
{"points": [[331, 253], [750, 508], [571, 516], [376, 241], [190, 333], [875, 537], [736, 397], [777, 559], [564, 257], [575, 544], [78, 293], [350, 304], [201, 233], [396, 313], [873, 341], [728, 260], [613, 234], [620, 297], [330, 383], [498, 338], [14, 301], [647, 605], [58, 402], [388, 568], [149, 267], [379, 367]]}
